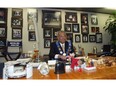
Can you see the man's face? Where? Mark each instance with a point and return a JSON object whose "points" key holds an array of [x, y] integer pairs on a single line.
{"points": [[62, 37]]}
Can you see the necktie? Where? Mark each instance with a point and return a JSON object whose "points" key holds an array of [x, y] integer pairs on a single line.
{"points": [[63, 47]]}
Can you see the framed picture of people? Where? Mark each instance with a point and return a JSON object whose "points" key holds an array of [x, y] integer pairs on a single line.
{"points": [[17, 12], [55, 32], [98, 37], [3, 31], [94, 19], [67, 27], [84, 29], [92, 38], [85, 38], [84, 18], [16, 33], [70, 36], [47, 32], [3, 15], [47, 43], [31, 36], [77, 38], [51, 19], [75, 28], [71, 17]]}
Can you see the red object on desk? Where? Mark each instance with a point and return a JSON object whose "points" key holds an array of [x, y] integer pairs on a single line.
{"points": [[74, 62]]}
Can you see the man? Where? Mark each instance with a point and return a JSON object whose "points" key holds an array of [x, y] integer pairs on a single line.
{"points": [[56, 50]]}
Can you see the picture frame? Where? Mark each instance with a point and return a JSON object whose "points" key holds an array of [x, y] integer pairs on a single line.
{"points": [[47, 43], [75, 28], [17, 12], [85, 38], [94, 19], [77, 38], [51, 19], [31, 26], [71, 17], [84, 29], [93, 30], [98, 37], [67, 27], [70, 36], [16, 33], [47, 33], [31, 36], [97, 30], [92, 38], [84, 18], [55, 32], [2, 42], [17, 22], [3, 16], [3, 31]]}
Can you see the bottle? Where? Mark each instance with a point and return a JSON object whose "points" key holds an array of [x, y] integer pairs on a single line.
{"points": [[94, 50]]}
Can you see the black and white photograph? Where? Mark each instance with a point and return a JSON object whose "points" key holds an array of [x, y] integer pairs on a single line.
{"points": [[55, 32], [94, 19], [3, 31], [84, 29], [47, 33], [16, 33], [84, 18], [17, 12], [85, 38], [2, 42], [77, 38], [67, 27], [92, 38], [70, 36], [32, 36], [51, 19], [47, 43], [98, 37], [75, 28], [17, 23], [3, 15], [71, 17]]}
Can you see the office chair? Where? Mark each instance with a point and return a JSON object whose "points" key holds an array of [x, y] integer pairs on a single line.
{"points": [[14, 49]]}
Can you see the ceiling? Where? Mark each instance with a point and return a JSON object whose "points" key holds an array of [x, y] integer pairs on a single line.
{"points": [[97, 10]]}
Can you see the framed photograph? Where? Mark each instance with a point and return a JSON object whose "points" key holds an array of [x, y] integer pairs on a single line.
{"points": [[98, 37], [97, 30], [47, 33], [84, 29], [3, 42], [17, 12], [77, 38], [31, 26], [85, 38], [32, 36], [47, 43], [75, 28], [70, 36], [84, 18], [17, 22], [51, 19], [3, 32], [3, 15], [32, 14], [16, 33], [93, 30], [55, 32], [94, 19], [67, 27], [71, 17], [92, 38]]}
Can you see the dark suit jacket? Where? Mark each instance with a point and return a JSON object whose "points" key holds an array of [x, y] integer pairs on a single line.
{"points": [[54, 49]]}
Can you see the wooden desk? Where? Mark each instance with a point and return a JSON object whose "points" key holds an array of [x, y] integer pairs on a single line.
{"points": [[103, 73]]}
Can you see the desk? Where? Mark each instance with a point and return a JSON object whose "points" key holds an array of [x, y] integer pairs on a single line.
{"points": [[103, 73]]}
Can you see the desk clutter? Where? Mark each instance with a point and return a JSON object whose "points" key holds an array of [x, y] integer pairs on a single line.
{"points": [[24, 67]]}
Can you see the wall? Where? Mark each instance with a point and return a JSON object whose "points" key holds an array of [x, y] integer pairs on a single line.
{"points": [[28, 46]]}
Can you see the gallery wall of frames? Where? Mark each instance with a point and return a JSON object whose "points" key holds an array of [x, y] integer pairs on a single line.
{"points": [[77, 30], [51, 23]]}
